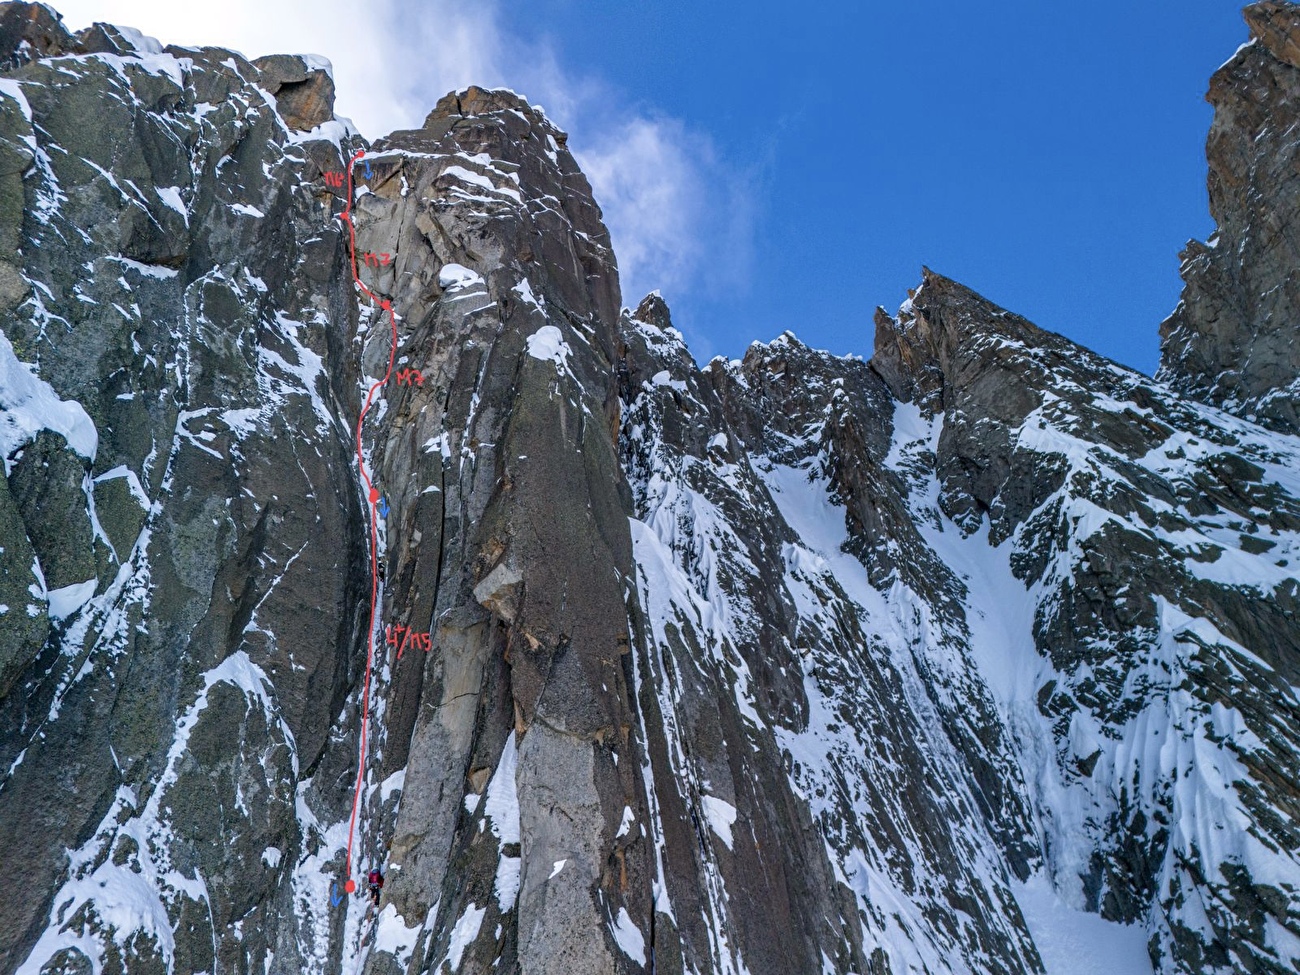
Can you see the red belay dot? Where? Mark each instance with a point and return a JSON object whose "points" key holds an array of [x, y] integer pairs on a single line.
{"points": [[375, 573], [350, 886]]}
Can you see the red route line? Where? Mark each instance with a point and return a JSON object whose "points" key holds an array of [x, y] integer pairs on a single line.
{"points": [[373, 497]]}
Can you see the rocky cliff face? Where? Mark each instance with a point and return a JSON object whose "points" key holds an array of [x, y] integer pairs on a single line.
{"points": [[1232, 339], [177, 365], [1147, 586], [792, 663]]}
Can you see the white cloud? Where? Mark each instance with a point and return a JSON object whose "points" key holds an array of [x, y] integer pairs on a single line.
{"points": [[678, 220], [648, 179], [373, 87]]}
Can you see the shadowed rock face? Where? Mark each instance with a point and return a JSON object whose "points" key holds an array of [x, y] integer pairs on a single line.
{"points": [[791, 663], [181, 644], [1233, 338], [508, 540], [1133, 518]]}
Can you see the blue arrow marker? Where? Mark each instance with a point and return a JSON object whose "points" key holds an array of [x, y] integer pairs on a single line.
{"points": [[383, 507], [368, 175], [335, 898]]}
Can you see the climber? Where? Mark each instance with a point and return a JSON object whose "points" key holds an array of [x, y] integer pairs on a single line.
{"points": [[376, 881]]}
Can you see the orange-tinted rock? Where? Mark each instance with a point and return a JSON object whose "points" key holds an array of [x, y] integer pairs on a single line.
{"points": [[304, 93]]}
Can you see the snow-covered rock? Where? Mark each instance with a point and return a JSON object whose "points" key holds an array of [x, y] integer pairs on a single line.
{"points": [[979, 656]]}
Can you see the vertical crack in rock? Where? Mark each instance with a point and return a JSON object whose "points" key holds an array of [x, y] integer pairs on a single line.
{"points": [[789, 663], [507, 539]]}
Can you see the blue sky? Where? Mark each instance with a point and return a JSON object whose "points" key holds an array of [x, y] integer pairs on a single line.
{"points": [[773, 165], [1051, 156]]}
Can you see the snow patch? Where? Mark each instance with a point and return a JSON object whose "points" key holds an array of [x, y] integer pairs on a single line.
{"points": [[478, 179], [28, 405], [12, 89], [336, 130], [625, 826], [316, 62], [394, 783], [630, 940], [453, 277], [171, 197], [140, 42], [548, 343], [66, 601], [503, 799], [721, 816], [463, 935], [664, 378], [393, 936], [525, 292], [440, 443], [147, 270], [506, 883], [502, 809], [1073, 942]]}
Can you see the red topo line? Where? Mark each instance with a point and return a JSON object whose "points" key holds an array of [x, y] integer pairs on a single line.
{"points": [[372, 495]]}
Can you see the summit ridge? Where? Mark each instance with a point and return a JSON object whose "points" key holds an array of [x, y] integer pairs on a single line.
{"points": [[351, 522]]}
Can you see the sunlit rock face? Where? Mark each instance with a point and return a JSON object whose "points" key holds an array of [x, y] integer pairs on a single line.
{"points": [[790, 663], [1232, 339]]}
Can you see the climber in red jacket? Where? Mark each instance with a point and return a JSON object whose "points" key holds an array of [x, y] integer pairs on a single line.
{"points": [[376, 881]]}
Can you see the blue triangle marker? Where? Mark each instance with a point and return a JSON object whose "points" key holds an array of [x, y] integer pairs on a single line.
{"points": [[335, 898]]}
